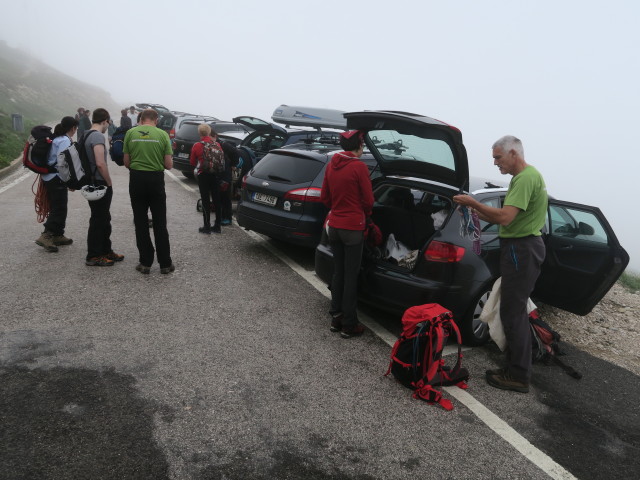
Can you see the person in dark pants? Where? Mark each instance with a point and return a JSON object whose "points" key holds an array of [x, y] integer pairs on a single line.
{"points": [[147, 153], [99, 251], [57, 192], [347, 192], [125, 121], [226, 190], [208, 183], [522, 252]]}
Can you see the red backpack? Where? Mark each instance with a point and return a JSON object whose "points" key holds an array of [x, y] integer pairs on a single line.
{"points": [[35, 155], [416, 358], [212, 158]]}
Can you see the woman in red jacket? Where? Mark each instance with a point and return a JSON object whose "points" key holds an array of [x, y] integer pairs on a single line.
{"points": [[347, 192], [208, 183]]}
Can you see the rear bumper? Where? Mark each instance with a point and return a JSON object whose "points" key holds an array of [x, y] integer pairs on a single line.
{"points": [[306, 233], [182, 164]]}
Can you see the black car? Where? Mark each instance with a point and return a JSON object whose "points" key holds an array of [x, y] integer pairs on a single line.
{"points": [[280, 196], [188, 135], [422, 164]]}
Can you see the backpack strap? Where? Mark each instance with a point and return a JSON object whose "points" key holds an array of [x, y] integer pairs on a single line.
{"points": [[430, 395]]}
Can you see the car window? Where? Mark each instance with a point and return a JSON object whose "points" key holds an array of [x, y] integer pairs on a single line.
{"points": [[266, 142], [486, 227], [166, 122], [394, 146], [287, 169], [188, 131], [574, 223]]}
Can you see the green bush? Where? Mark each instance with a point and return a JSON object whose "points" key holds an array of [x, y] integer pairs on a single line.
{"points": [[630, 281], [12, 143]]}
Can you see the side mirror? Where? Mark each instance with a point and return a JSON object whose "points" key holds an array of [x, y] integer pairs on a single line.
{"points": [[585, 229]]}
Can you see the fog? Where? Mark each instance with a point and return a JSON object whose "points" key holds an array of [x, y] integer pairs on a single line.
{"points": [[562, 76]]}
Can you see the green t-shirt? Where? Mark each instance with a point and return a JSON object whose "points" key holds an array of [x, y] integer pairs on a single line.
{"points": [[147, 145], [527, 192]]}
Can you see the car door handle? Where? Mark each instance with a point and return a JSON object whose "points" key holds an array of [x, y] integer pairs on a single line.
{"points": [[566, 247]]}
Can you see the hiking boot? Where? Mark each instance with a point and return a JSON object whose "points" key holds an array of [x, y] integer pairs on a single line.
{"points": [[216, 229], [205, 230], [45, 240], [348, 332], [142, 269], [504, 381], [336, 322], [496, 371], [61, 240], [99, 262], [168, 269], [114, 257]]}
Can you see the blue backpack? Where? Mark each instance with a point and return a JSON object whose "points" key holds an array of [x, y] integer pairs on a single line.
{"points": [[116, 146]]}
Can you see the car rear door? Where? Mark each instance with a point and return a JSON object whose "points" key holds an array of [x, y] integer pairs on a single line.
{"points": [[584, 258]]}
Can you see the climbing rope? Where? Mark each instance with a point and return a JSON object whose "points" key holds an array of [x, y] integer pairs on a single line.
{"points": [[470, 227], [41, 201]]}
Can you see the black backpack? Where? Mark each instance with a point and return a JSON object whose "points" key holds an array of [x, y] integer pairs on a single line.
{"points": [[546, 344], [35, 155], [116, 146], [416, 358]]}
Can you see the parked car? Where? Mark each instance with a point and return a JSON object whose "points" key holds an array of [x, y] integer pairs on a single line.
{"points": [[280, 196], [188, 135], [422, 164], [172, 123]]}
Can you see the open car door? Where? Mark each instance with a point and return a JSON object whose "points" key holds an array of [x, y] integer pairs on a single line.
{"points": [[584, 258]]}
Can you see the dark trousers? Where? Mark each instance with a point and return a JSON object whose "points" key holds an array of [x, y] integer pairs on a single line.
{"points": [[209, 186], [99, 235], [146, 190], [225, 200], [57, 194], [520, 263], [346, 246]]}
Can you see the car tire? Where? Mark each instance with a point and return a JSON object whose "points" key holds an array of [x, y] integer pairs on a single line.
{"points": [[475, 332], [189, 175]]}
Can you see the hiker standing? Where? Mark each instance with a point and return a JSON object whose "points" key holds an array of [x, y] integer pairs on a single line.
{"points": [[147, 153], [208, 183], [57, 192], [231, 158], [84, 123], [522, 252], [133, 116], [100, 253], [125, 121], [347, 193]]}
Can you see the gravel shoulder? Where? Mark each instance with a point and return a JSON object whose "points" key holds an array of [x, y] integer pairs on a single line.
{"points": [[610, 332]]}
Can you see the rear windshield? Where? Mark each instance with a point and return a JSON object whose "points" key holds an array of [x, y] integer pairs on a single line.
{"points": [[393, 147], [188, 131], [287, 168]]}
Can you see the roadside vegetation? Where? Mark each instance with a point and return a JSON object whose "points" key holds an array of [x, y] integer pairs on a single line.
{"points": [[12, 143], [630, 281]]}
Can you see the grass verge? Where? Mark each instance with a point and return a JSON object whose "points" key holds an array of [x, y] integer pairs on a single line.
{"points": [[630, 281], [12, 143]]}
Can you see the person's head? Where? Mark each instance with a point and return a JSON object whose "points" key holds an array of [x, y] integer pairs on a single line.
{"points": [[352, 141], [123, 112], [204, 130], [132, 109], [508, 155], [214, 135], [81, 111], [148, 116], [87, 112], [101, 118], [68, 125]]}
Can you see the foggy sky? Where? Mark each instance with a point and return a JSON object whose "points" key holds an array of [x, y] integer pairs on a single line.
{"points": [[561, 75]]}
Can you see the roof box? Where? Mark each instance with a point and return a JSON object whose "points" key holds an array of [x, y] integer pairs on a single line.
{"points": [[309, 117]]}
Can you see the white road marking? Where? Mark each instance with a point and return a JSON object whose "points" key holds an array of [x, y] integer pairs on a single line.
{"points": [[20, 178], [179, 181], [495, 423]]}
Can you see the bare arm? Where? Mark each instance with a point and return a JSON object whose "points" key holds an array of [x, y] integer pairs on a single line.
{"points": [[501, 216], [101, 165], [127, 160], [168, 162]]}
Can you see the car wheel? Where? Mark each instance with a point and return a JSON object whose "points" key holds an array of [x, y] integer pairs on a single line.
{"points": [[475, 332], [188, 175]]}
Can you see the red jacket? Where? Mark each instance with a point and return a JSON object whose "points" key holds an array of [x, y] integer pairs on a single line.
{"points": [[196, 152], [347, 192]]}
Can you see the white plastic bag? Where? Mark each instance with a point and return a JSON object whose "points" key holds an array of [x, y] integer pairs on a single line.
{"points": [[394, 249]]}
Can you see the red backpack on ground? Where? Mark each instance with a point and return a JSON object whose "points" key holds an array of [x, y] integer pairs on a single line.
{"points": [[416, 358]]}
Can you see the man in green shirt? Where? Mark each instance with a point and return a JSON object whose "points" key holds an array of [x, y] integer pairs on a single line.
{"points": [[147, 153], [522, 252]]}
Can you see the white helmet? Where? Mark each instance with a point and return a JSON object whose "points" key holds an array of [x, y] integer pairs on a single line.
{"points": [[93, 192]]}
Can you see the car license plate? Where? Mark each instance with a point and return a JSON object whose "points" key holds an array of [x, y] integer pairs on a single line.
{"points": [[266, 199], [183, 155]]}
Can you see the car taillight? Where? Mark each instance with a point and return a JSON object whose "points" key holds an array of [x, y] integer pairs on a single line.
{"points": [[443, 252], [311, 194], [173, 145], [172, 133], [244, 181]]}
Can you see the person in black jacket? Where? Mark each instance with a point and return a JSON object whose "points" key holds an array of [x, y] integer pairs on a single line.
{"points": [[226, 187]]}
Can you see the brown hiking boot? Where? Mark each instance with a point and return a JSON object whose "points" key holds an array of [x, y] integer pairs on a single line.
{"points": [[114, 257], [504, 381], [99, 262], [46, 241], [61, 240]]}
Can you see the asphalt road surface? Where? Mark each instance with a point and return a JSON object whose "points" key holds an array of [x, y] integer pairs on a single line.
{"points": [[226, 369]]}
